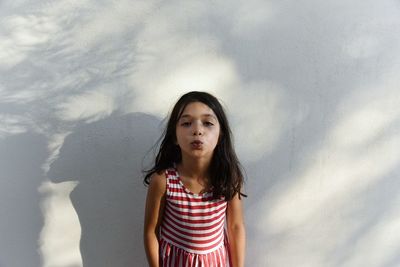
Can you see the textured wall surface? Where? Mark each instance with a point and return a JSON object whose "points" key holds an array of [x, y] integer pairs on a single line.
{"points": [[312, 89]]}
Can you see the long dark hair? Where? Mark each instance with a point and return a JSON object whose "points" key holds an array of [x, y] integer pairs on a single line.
{"points": [[225, 171]]}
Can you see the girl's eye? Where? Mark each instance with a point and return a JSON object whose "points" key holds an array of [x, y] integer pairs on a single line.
{"points": [[207, 123], [185, 124]]}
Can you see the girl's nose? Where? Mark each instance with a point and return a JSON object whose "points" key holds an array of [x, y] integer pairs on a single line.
{"points": [[197, 129]]}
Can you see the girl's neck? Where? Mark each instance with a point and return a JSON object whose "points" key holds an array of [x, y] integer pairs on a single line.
{"points": [[194, 168]]}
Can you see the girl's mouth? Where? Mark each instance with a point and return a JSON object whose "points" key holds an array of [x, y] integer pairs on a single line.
{"points": [[197, 144]]}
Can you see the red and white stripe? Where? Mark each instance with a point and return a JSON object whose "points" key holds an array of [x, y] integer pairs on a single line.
{"points": [[192, 230]]}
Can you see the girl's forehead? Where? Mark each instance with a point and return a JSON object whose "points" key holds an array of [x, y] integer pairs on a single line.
{"points": [[196, 109]]}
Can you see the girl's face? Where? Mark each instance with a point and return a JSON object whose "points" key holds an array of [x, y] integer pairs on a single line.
{"points": [[197, 131]]}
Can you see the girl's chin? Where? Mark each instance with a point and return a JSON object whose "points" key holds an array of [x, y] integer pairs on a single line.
{"points": [[197, 153]]}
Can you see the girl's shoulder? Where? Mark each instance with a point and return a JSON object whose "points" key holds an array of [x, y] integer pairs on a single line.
{"points": [[158, 181], [162, 178]]}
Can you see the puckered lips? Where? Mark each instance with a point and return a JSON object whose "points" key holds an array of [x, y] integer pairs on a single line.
{"points": [[197, 144]]}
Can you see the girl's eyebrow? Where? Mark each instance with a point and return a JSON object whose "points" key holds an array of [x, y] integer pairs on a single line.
{"points": [[203, 115]]}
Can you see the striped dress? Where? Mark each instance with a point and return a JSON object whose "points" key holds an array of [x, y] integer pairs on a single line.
{"points": [[192, 231]]}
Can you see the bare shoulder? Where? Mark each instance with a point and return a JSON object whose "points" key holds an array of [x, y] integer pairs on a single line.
{"points": [[158, 182], [155, 201], [236, 200], [235, 212], [235, 207]]}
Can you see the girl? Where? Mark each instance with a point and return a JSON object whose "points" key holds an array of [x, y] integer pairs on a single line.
{"points": [[195, 183]]}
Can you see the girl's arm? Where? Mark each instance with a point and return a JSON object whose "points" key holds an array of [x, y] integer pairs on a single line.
{"points": [[236, 231], [155, 202]]}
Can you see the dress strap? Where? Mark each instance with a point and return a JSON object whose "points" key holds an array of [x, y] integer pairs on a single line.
{"points": [[170, 175]]}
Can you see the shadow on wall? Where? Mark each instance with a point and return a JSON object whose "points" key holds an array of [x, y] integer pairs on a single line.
{"points": [[105, 157], [21, 221]]}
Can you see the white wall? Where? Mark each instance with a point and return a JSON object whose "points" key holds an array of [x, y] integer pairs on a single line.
{"points": [[312, 89]]}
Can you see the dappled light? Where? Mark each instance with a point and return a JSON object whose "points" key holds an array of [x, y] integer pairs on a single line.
{"points": [[61, 233], [329, 199], [311, 90], [12, 124], [90, 106], [23, 33]]}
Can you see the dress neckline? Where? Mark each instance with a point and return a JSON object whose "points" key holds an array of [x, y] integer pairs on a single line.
{"points": [[178, 176]]}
